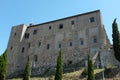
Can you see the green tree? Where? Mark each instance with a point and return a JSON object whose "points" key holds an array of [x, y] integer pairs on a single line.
{"points": [[27, 70], [59, 67], [91, 75], [3, 65], [116, 40]]}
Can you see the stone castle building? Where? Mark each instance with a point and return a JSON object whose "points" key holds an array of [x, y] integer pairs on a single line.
{"points": [[76, 36]]}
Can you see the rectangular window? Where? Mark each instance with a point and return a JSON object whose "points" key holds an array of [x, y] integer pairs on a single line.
{"points": [[11, 48], [50, 27], [23, 49], [59, 45], [61, 26], [72, 23], [95, 40], [15, 34], [81, 42], [92, 19], [27, 35], [70, 44], [39, 44], [35, 32], [48, 46]]}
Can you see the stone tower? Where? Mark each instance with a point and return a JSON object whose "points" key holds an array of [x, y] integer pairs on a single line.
{"points": [[76, 36]]}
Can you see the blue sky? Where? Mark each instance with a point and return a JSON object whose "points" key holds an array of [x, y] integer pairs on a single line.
{"points": [[14, 12]]}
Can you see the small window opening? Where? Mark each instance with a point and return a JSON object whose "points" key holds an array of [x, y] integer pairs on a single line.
{"points": [[92, 19], [23, 49], [59, 45], [39, 44], [70, 43], [15, 34], [81, 42], [50, 27], [35, 32], [95, 40], [69, 62], [11, 48], [61, 26], [48, 46], [72, 22]]}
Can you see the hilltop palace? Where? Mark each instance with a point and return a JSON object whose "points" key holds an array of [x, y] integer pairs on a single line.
{"points": [[76, 36]]}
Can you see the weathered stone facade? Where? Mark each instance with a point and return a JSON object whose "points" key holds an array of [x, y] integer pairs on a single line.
{"points": [[76, 36]]}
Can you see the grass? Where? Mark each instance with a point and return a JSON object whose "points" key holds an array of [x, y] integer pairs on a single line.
{"points": [[67, 76]]}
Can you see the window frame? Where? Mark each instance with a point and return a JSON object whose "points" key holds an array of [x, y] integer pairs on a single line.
{"points": [[92, 19]]}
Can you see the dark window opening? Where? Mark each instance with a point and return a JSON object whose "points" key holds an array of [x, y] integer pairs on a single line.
{"points": [[81, 42], [39, 44], [92, 19], [11, 48], [60, 26], [72, 22], [59, 45], [27, 35], [70, 43], [50, 27], [23, 49], [95, 40], [35, 58], [69, 62], [14, 34], [48, 46], [35, 32]]}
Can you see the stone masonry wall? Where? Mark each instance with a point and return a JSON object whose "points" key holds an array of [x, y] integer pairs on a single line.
{"points": [[77, 36]]}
